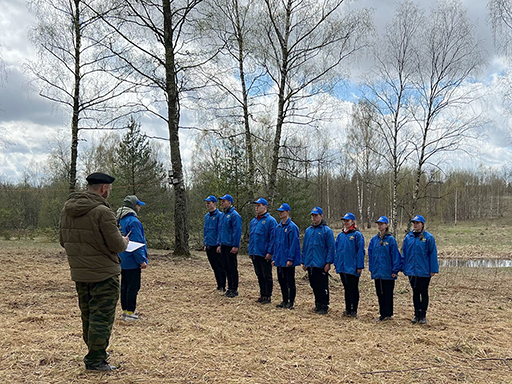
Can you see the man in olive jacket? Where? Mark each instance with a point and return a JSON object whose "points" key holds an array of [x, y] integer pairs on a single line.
{"points": [[89, 233]]}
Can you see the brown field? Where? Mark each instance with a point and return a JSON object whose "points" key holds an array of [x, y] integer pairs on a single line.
{"points": [[190, 334]]}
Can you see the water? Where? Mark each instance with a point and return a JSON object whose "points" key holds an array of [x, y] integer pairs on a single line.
{"points": [[480, 263]]}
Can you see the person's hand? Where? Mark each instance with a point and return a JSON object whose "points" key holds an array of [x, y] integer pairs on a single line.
{"points": [[359, 270], [327, 267], [204, 248], [432, 274], [273, 263], [304, 267], [143, 265], [393, 275], [268, 256], [126, 239], [218, 249], [289, 263], [234, 250]]}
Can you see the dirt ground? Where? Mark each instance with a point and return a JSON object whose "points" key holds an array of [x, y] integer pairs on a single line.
{"points": [[188, 333]]}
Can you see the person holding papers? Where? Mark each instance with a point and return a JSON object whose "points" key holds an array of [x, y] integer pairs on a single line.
{"points": [[131, 262]]}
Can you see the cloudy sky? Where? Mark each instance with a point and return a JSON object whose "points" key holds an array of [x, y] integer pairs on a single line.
{"points": [[30, 125]]}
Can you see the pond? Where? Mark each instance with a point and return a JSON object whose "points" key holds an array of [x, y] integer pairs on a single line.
{"points": [[479, 263]]}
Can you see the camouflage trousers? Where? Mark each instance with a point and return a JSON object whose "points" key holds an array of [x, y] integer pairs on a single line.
{"points": [[97, 303]]}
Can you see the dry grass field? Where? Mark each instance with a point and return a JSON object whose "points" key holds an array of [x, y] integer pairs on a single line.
{"points": [[190, 334]]}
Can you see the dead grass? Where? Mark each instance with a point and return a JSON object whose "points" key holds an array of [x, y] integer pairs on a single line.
{"points": [[190, 334]]}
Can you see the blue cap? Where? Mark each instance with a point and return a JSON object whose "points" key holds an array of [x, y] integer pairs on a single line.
{"points": [[227, 197], [418, 218], [211, 198], [140, 202], [317, 211], [284, 207], [261, 200], [383, 219], [348, 216]]}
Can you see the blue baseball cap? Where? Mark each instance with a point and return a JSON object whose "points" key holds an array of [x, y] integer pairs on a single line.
{"points": [[140, 202], [211, 198], [227, 197], [383, 219], [418, 218], [284, 207], [261, 200], [348, 216], [317, 211]]}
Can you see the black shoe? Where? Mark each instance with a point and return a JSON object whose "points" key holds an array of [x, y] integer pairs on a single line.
{"points": [[266, 300], [354, 315], [381, 318], [289, 305], [414, 320], [259, 299], [221, 289], [104, 367], [317, 307], [323, 310], [423, 320], [231, 293], [345, 314], [282, 304]]}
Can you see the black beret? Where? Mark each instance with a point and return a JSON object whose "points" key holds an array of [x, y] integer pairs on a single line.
{"points": [[99, 178]]}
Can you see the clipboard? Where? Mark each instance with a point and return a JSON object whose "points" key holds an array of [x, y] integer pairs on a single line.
{"points": [[133, 246]]}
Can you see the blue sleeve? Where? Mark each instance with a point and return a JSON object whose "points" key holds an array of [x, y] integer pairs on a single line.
{"points": [[219, 231], [432, 250], [398, 263], [360, 251], [204, 229], [370, 254], [272, 226], [137, 235], [330, 246], [237, 229]]}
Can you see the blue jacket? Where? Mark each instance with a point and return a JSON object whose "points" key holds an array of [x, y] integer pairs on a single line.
{"points": [[260, 235], [230, 228], [420, 255], [133, 260], [384, 260], [349, 252], [318, 246], [211, 228], [286, 244]]}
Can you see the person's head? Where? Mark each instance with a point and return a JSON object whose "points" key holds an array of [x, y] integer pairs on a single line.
{"points": [[131, 201], [418, 223], [382, 224], [226, 201], [100, 184], [211, 203], [348, 220], [260, 206], [317, 215], [284, 212]]}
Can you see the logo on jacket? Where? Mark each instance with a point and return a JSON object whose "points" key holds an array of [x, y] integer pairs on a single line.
{"points": [[228, 216], [286, 230], [385, 243], [351, 238], [263, 222]]}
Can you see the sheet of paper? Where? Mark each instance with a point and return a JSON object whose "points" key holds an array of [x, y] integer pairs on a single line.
{"points": [[133, 246]]}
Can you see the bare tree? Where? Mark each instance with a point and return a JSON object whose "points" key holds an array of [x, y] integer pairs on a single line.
{"points": [[70, 68], [391, 90], [155, 39], [500, 12], [304, 43], [449, 55]]}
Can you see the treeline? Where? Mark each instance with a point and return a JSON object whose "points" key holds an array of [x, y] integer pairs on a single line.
{"points": [[32, 207]]}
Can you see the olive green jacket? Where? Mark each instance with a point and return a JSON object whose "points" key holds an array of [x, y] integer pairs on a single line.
{"points": [[89, 233]]}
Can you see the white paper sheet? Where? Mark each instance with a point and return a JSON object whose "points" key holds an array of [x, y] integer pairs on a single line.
{"points": [[133, 246]]}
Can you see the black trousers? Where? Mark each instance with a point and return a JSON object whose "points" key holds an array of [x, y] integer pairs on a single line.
{"points": [[215, 262], [420, 295], [319, 281], [130, 286], [384, 289], [263, 269], [230, 264], [286, 278], [351, 285]]}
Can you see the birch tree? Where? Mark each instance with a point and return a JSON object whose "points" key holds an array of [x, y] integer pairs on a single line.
{"points": [[304, 44]]}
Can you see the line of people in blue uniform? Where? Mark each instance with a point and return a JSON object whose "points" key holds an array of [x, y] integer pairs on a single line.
{"points": [[273, 244]]}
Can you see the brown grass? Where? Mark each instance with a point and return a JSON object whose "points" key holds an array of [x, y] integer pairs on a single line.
{"points": [[190, 334]]}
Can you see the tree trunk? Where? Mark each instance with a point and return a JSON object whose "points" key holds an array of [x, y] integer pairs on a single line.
{"points": [[180, 194], [76, 100]]}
